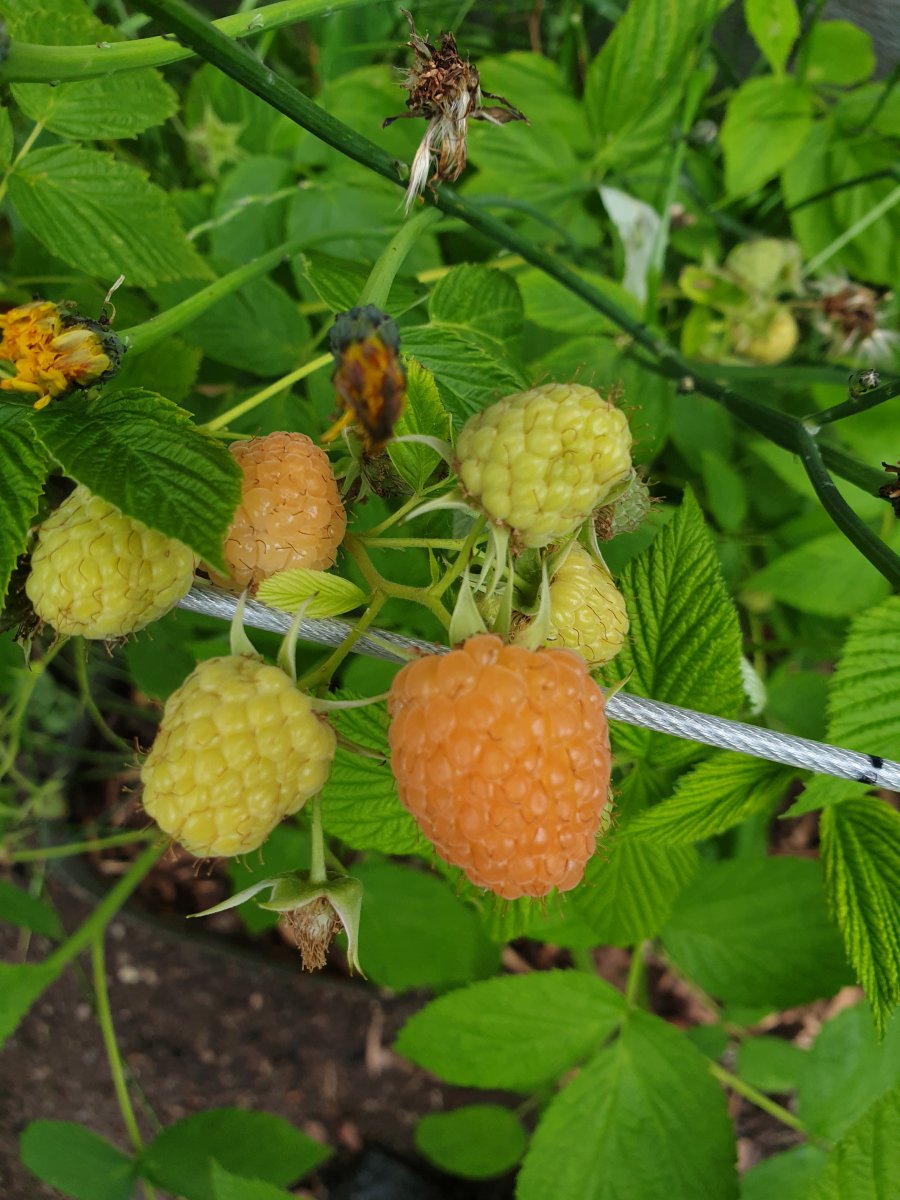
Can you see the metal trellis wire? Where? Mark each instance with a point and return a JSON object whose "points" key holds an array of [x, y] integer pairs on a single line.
{"points": [[684, 723]]}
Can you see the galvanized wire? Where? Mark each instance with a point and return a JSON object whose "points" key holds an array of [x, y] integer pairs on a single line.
{"points": [[684, 723]]}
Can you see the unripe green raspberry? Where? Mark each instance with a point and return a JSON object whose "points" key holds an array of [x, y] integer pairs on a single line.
{"points": [[626, 512], [238, 750], [587, 610], [768, 339], [541, 461], [99, 574]]}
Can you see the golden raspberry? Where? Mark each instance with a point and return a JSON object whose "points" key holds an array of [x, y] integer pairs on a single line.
{"points": [[239, 748], [587, 610], [502, 756], [541, 461], [290, 515], [100, 574]]}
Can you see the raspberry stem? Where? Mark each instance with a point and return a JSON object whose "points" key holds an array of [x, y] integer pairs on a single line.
{"points": [[82, 653], [13, 722], [381, 278], [317, 871]]}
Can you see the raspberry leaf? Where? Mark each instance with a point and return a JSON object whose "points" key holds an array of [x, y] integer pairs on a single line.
{"points": [[472, 367], [478, 1141], [755, 931], [685, 642], [480, 298], [77, 1161], [474, 1036], [25, 465], [325, 595], [863, 700], [644, 1118], [864, 1165], [111, 106], [424, 413], [861, 852], [141, 453], [789, 1176], [227, 1186]]}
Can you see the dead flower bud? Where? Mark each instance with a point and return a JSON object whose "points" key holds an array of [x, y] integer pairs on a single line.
{"points": [[852, 319], [444, 89], [891, 491], [368, 376], [54, 351]]}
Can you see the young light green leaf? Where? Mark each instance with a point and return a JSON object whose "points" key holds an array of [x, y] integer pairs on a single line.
{"points": [[789, 1176], [633, 86], [475, 1036], [685, 641], [415, 933], [24, 464], [861, 853], [847, 1069], [479, 298], [77, 1161], [479, 1141], [101, 215], [6, 138], [865, 1165], [111, 106], [775, 25], [142, 453], [863, 700], [756, 932], [227, 1186], [255, 1144], [766, 123], [838, 52], [325, 595], [822, 790], [629, 889], [19, 907], [423, 413], [644, 1119], [719, 793]]}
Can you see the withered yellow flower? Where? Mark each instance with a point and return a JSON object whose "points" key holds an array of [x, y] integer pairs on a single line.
{"points": [[54, 352]]}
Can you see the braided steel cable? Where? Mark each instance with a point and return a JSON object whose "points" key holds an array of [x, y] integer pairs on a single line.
{"points": [[684, 723]]}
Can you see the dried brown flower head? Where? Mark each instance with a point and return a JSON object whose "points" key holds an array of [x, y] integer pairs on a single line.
{"points": [[446, 90], [852, 318]]}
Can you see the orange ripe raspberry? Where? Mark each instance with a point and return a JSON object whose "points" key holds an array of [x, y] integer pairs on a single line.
{"points": [[290, 515], [502, 756]]}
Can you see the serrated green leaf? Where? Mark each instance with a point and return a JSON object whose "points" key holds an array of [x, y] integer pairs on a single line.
{"points": [[19, 907], [416, 933], [838, 52], [479, 1141], [719, 793], [861, 853], [825, 576], [327, 595], [23, 469], [775, 25], [644, 1119], [102, 215], [479, 298], [6, 138], [248, 216], [228, 1186], [472, 368], [633, 87], [142, 453], [20, 986], [171, 375], [559, 923], [789, 1176], [111, 106], [629, 889], [338, 283], [772, 1064], [78, 1161], [847, 1069], [827, 158], [475, 1036], [756, 932], [54, 22], [865, 1164], [685, 642], [863, 700], [767, 121], [425, 414], [360, 804], [551, 305], [256, 1144], [822, 790]]}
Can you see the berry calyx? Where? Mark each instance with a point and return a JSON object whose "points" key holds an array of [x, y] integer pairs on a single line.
{"points": [[239, 749], [99, 574], [502, 756], [540, 462], [290, 514]]}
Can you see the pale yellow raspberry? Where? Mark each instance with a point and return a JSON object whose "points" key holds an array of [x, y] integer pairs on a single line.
{"points": [[100, 574], [541, 461], [587, 610], [239, 749]]}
